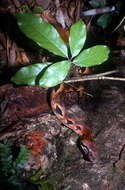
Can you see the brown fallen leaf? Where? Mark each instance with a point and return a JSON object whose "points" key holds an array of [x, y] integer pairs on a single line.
{"points": [[36, 142]]}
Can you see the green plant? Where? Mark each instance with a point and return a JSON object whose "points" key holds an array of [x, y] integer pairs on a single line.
{"points": [[104, 20], [10, 166], [41, 184], [49, 74]]}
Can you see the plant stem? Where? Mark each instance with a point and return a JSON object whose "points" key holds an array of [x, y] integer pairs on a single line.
{"points": [[100, 76]]}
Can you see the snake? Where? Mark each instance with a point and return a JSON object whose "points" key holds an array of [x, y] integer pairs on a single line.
{"points": [[86, 142]]}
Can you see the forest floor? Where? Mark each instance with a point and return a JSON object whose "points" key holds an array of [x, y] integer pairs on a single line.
{"points": [[26, 117]]}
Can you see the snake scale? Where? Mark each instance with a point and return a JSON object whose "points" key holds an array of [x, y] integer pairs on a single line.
{"points": [[85, 142]]}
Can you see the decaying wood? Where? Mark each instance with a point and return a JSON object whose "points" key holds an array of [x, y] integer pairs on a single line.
{"points": [[19, 103]]}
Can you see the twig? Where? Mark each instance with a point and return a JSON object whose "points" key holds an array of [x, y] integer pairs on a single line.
{"points": [[100, 76], [119, 24], [111, 78], [98, 11]]}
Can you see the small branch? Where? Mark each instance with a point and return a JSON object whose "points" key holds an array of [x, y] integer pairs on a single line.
{"points": [[100, 76], [119, 25], [98, 11], [111, 78]]}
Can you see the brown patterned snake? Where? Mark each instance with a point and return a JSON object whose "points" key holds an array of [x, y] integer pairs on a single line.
{"points": [[86, 142]]}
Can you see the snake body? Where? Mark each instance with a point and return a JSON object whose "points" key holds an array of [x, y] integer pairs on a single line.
{"points": [[85, 142]]}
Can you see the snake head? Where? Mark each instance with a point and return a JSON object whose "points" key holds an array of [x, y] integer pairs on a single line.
{"points": [[88, 150]]}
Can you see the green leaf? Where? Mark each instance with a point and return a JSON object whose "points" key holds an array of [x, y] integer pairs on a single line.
{"points": [[21, 158], [95, 55], [38, 10], [45, 186], [55, 74], [43, 33], [77, 37], [27, 75], [104, 20], [36, 176], [6, 158], [25, 8]]}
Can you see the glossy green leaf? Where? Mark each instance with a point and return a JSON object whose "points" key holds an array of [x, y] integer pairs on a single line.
{"points": [[43, 33], [55, 74], [95, 55], [77, 37], [27, 75]]}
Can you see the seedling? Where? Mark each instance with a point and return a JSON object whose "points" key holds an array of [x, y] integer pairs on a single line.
{"points": [[50, 74]]}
